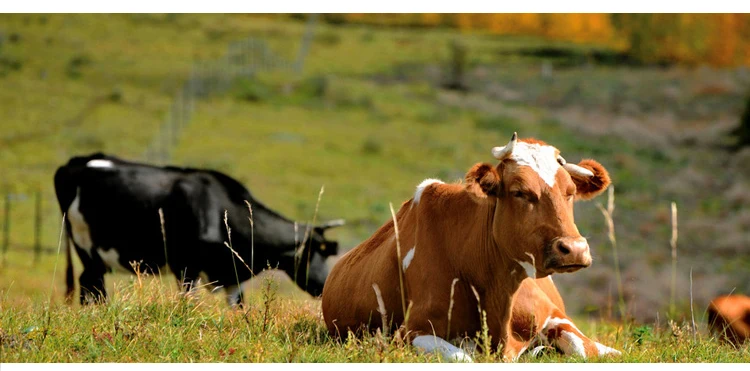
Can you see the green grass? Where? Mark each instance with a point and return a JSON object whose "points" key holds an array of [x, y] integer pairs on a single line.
{"points": [[147, 320]]}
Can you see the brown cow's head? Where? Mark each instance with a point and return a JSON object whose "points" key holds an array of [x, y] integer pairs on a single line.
{"points": [[534, 189]]}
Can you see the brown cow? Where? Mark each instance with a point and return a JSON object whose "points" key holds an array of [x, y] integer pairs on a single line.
{"points": [[539, 319], [459, 248], [729, 317]]}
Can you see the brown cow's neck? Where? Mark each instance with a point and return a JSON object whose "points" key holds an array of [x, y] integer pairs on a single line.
{"points": [[493, 272], [493, 267]]}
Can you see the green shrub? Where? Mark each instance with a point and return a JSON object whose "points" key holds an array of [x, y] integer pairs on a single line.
{"points": [[251, 90], [367, 37], [314, 87], [9, 64], [74, 67], [371, 146], [641, 334], [328, 38], [742, 131]]}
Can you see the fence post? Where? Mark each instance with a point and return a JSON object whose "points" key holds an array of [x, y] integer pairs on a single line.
{"points": [[38, 227], [306, 41], [192, 91], [185, 99], [6, 226], [177, 119], [165, 138], [253, 57]]}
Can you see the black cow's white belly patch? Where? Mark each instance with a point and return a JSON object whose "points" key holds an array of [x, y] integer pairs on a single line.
{"points": [[79, 227], [111, 259]]}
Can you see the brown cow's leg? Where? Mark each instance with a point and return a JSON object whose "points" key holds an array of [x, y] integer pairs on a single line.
{"points": [[559, 331], [434, 344], [427, 329], [515, 347], [538, 317]]}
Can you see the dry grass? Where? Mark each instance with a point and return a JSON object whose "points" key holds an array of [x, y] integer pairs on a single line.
{"points": [[608, 217]]}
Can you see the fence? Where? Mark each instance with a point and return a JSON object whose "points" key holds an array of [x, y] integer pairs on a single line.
{"points": [[243, 58], [13, 202]]}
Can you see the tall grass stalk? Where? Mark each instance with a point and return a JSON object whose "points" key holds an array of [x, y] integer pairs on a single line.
{"points": [[485, 330], [613, 241], [692, 314], [305, 238], [48, 310], [229, 245], [450, 307], [299, 245], [252, 236], [234, 264], [673, 244], [269, 296], [381, 309], [399, 260], [163, 235], [164, 244], [314, 220]]}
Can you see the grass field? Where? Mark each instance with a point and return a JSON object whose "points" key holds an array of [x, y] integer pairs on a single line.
{"points": [[367, 120], [148, 320]]}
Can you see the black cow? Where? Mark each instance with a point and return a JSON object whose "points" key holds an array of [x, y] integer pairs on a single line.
{"points": [[113, 220]]}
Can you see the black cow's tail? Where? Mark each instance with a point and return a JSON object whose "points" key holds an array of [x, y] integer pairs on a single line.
{"points": [[70, 283], [65, 189]]}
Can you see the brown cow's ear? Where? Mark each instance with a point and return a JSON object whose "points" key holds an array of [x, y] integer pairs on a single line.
{"points": [[483, 180], [588, 187]]}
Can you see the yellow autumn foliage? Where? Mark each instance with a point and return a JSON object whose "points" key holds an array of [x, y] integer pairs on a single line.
{"points": [[692, 39]]}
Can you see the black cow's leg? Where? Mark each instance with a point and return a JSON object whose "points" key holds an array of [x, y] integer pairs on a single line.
{"points": [[187, 279], [92, 286], [235, 295]]}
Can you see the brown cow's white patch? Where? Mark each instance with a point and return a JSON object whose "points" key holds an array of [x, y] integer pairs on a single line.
{"points": [[409, 256], [554, 333], [430, 343], [540, 158], [604, 350], [421, 187]]}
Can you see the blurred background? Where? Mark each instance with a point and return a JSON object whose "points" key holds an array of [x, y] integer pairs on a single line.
{"points": [[368, 105]]}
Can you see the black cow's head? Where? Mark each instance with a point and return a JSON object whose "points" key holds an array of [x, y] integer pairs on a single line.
{"points": [[311, 269]]}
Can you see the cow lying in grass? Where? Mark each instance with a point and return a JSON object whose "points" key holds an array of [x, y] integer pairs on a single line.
{"points": [[729, 318], [455, 255]]}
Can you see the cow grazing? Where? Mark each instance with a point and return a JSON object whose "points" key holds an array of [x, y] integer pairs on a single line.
{"points": [[466, 246], [729, 318], [539, 318], [112, 208]]}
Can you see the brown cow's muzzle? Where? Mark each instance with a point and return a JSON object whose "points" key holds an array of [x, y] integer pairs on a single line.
{"points": [[568, 254]]}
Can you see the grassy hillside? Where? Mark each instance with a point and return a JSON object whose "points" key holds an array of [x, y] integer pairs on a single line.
{"points": [[368, 120]]}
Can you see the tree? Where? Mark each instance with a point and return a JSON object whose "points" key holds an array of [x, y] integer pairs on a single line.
{"points": [[742, 131], [458, 65]]}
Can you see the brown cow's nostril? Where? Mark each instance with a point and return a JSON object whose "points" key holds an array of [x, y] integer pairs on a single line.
{"points": [[563, 249]]}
